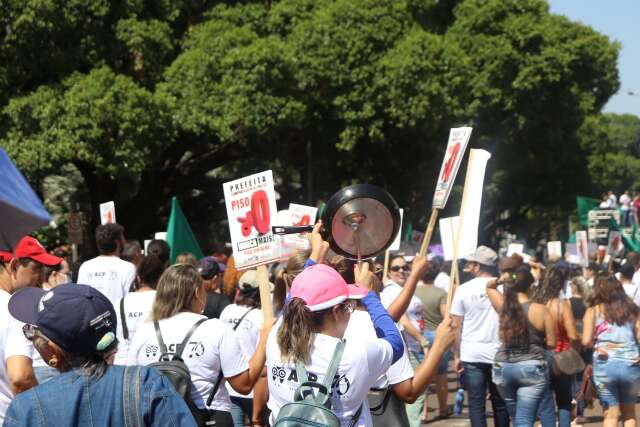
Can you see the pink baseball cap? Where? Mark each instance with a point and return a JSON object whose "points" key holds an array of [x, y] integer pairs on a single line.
{"points": [[322, 287]]}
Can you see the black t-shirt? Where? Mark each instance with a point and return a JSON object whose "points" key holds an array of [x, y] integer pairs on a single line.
{"points": [[215, 304]]}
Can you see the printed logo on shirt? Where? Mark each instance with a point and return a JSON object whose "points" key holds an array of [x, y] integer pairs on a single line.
{"points": [[280, 374], [135, 314], [194, 349]]}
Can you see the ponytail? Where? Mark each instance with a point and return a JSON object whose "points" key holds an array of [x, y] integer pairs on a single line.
{"points": [[297, 332], [513, 325]]}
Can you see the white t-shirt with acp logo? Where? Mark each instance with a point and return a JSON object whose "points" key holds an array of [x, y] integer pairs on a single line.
{"points": [[137, 307], [361, 365], [414, 312], [480, 327], [247, 332], [361, 328], [108, 274], [212, 345]]}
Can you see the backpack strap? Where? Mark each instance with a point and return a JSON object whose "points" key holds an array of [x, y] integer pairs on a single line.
{"points": [[163, 348], [185, 341], [214, 390], [125, 329], [356, 416], [324, 389], [131, 396]]}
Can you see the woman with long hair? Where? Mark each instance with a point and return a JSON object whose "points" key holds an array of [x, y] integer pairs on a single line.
{"points": [[612, 327], [213, 354], [520, 369], [548, 292], [310, 335]]}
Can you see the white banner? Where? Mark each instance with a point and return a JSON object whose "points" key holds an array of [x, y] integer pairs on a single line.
{"points": [[456, 146], [107, 213], [251, 210], [515, 248], [554, 249], [582, 246], [471, 202], [448, 228], [395, 246]]}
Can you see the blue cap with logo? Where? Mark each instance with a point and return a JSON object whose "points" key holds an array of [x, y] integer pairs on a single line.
{"points": [[78, 318]]}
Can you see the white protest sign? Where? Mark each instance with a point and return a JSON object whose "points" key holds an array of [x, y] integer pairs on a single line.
{"points": [[554, 249], [471, 202], [395, 246], [107, 213], [456, 146], [448, 228], [251, 207], [515, 248], [161, 235], [300, 215], [582, 246], [615, 244]]}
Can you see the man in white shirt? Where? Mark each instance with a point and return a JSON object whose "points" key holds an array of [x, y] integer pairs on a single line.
{"points": [[19, 270], [625, 208], [107, 272], [478, 338]]}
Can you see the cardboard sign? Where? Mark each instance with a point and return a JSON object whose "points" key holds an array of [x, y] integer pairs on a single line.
{"points": [[456, 146], [395, 246], [107, 213], [515, 248], [615, 244], [582, 246], [251, 210], [554, 249]]}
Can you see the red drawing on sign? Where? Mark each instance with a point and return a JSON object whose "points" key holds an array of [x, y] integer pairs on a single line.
{"points": [[581, 250], [259, 217], [109, 218], [450, 163], [305, 220]]}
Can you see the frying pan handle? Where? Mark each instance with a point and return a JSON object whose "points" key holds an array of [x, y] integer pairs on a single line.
{"points": [[276, 229]]}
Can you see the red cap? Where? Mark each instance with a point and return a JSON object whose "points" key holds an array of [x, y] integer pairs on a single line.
{"points": [[6, 256], [28, 247]]}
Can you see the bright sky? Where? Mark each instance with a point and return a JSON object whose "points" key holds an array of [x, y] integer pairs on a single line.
{"points": [[620, 20]]}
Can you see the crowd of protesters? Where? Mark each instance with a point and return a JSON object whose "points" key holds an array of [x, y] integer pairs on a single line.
{"points": [[540, 340]]}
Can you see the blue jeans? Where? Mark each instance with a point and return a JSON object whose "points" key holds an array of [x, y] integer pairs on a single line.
{"points": [[240, 406], [616, 381], [561, 386], [522, 385], [477, 378], [443, 366]]}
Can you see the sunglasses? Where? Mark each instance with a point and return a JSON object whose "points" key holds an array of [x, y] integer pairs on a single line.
{"points": [[397, 268]]}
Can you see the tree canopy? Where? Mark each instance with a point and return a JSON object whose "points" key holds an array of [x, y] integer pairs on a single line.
{"points": [[153, 99]]}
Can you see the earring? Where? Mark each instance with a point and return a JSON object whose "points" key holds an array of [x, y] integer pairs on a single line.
{"points": [[53, 362]]}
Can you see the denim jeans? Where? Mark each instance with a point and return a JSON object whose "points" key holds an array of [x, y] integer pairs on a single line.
{"points": [[443, 366], [616, 381], [560, 386], [477, 377], [240, 406], [522, 385]]}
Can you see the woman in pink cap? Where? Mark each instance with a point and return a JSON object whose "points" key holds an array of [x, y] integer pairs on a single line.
{"points": [[312, 329]]}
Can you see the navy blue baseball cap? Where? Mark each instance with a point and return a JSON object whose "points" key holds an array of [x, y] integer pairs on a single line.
{"points": [[78, 318]]}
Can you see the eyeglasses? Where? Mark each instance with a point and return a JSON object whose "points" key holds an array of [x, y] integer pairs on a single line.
{"points": [[397, 268]]}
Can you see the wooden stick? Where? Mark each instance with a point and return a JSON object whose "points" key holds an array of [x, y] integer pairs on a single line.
{"points": [[265, 292], [454, 276], [429, 232], [386, 266]]}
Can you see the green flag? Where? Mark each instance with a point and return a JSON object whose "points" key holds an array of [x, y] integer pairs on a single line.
{"points": [[585, 204], [179, 235]]}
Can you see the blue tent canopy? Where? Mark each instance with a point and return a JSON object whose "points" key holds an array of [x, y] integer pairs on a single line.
{"points": [[21, 210]]}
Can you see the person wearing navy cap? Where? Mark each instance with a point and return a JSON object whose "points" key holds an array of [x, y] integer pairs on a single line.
{"points": [[73, 328]]}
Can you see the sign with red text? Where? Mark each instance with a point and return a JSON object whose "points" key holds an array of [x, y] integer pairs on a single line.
{"points": [[107, 213], [300, 215], [582, 246], [251, 209], [615, 244], [458, 140]]}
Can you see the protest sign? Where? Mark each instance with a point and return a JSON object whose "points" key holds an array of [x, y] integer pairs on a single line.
{"points": [[161, 235], [456, 146], [615, 244], [515, 248], [554, 249], [582, 246], [448, 227], [251, 206], [107, 213], [469, 211], [300, 215]]}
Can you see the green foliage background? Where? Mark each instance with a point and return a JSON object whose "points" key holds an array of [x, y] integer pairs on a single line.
{"points": [[148, 99]]}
